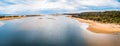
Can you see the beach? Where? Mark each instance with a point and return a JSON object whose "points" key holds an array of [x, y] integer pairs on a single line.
{"points": [[97, 27]]}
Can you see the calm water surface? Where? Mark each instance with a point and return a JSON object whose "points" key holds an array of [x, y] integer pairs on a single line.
{"points": [[49, 31]]}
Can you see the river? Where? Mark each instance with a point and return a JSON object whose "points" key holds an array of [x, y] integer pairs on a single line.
{"points": [[50, 30]]}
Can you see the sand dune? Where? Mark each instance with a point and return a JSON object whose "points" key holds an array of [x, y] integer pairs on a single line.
{"points": [[100, 27]]}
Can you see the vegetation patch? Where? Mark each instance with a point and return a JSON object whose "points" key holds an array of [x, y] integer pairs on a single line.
{"points": [[104, 17]]}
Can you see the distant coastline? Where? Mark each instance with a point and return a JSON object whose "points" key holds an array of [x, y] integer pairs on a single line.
{"points": [[11, 17], [16, 17]]}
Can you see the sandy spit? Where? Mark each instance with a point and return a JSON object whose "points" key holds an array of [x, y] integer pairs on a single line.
{"points": [[100, 27]]}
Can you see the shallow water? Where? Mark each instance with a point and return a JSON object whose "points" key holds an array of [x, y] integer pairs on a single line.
{"points": [[49, 31]]}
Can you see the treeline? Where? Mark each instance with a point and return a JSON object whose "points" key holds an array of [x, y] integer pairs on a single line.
{"points": [[9, 16], [1, 16], [104, 17]]}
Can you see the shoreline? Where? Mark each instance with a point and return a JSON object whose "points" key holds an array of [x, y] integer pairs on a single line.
{"points": [[100, 27], [11, 18], [95, 27]]}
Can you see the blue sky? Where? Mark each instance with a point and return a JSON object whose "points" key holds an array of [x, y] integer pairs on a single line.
{"points": [[56, 6]]}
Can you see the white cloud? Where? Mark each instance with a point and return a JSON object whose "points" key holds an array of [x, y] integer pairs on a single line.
{"points": [[70, 5], [99, 2]]}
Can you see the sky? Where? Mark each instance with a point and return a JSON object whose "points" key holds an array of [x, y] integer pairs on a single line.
{"points": [[56, 6]]}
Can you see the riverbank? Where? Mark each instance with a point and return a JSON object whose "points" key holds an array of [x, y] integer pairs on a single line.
{"points": [[100, 27], [16, 17], [11, 18]]}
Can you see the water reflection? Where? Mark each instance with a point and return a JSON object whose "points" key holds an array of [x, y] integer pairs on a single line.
{"points": [[1, 24], [33, 31]]}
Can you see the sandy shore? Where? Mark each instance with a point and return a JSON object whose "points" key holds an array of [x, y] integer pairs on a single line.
{"points": [[100, 27], [11, 18]]}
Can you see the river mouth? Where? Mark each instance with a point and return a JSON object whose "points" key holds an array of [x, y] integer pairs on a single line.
{"points": [[48, 31]]}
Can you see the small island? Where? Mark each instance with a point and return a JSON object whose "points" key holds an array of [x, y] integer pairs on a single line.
{"points": [[99, 22]]}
